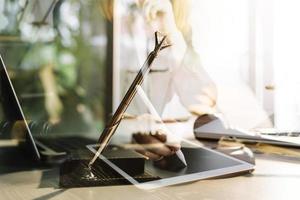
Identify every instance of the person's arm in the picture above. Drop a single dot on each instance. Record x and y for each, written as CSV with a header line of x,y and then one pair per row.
x,y
193,85
196,90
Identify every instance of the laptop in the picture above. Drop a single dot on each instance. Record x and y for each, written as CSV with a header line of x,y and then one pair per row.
x,y
38,139
214,127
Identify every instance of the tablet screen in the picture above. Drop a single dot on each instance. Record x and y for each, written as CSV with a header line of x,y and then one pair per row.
x,y
198,160
202,163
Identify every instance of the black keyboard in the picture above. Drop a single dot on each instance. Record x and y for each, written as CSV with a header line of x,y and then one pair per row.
x,y
66,144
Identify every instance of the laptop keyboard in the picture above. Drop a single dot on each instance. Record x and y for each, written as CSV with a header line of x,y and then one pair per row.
x,y
66,144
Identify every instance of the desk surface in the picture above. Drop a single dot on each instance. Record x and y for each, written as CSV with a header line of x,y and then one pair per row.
x,y
274,178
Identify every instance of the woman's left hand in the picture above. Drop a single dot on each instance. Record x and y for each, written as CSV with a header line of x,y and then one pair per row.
x,y
160,11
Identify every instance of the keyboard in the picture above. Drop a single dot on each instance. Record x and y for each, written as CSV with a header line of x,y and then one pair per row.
x,y
66,144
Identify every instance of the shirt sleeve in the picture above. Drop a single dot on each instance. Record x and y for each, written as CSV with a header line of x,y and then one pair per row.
x,y
195,88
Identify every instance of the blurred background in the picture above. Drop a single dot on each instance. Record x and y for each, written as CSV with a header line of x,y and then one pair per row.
x,y
57,56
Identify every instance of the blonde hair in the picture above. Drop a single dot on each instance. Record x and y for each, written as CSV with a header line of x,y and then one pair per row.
x,y
181,11
106,8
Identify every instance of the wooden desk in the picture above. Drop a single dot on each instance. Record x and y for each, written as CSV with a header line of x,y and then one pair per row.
x,y
274,178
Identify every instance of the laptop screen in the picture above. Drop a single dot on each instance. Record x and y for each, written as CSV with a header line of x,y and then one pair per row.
x,y
9,107
52,110
13,124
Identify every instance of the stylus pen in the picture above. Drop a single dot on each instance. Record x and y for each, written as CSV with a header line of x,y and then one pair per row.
x,y
153,112
181,157
117,117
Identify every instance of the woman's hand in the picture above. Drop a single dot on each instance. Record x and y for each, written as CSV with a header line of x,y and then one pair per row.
x,y
160,14
208,102
157,8
154,146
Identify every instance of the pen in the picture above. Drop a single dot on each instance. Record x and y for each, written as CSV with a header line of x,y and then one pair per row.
x,y
181,157
153,112
117,116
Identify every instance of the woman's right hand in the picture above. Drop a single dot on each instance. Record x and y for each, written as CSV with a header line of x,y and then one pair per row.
x,y
154,146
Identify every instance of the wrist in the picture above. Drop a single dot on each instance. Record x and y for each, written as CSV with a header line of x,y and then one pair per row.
x,y
178,48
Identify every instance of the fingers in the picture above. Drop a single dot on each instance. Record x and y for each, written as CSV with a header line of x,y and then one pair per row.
x,y
160,137
145,139
152,8
152,156
206,100
211,92
173,145
142,150
201,109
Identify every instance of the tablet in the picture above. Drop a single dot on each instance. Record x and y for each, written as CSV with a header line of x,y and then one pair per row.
x,y
202,163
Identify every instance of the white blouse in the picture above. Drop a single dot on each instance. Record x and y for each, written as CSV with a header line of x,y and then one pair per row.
x,y
177,82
